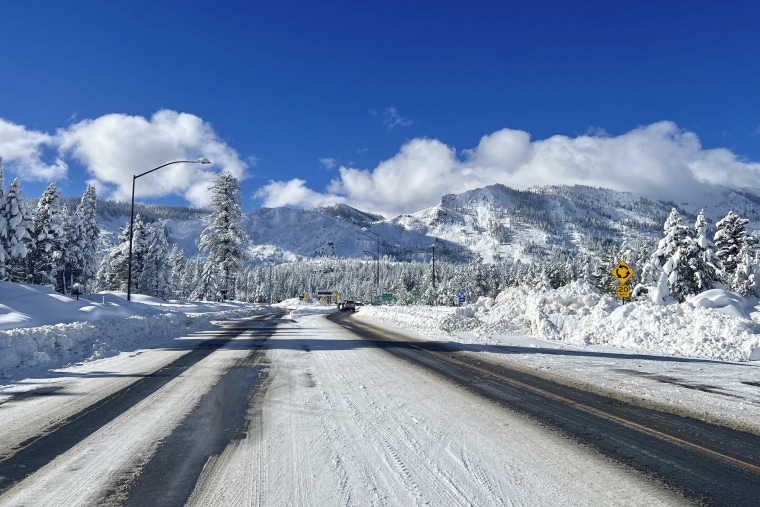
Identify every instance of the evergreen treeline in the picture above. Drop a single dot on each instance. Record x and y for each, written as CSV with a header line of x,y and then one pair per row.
x,y
48,243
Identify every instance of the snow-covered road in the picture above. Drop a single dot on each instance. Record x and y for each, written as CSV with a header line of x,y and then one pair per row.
x,y
337,422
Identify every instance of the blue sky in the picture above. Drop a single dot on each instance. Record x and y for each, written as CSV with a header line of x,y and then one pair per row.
x,y
383,105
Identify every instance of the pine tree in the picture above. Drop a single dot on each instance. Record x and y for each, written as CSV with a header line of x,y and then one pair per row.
x,y
71,248
729,237
140,245
20,232
4,241
49,237
602,275
190,279
224,238
746,277
113,271
86,213
177,268
207,282
155,274
705,264
668,273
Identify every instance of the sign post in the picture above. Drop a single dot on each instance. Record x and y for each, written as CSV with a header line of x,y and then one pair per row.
x,y
623,272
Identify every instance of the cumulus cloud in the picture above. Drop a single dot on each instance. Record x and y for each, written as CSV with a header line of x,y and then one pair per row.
x,y
660,161
113,147
23,151
294,193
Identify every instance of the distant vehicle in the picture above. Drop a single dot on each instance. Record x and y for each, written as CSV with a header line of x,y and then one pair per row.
x,y
347,306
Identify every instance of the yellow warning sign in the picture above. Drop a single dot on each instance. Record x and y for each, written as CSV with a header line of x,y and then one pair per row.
x,y
623,291
622,272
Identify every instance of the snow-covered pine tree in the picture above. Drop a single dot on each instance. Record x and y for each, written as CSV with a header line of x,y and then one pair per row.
x,y
191,278
541,282
155,274
87,213
745,279
246,285
20,232
113,271
681,277
4,242
729,237
140,245
602,274
49,237
668,274
704,263
240,285
224,238
207,283
177,267
71,251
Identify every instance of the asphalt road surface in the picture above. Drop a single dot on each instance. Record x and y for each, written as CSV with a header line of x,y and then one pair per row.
x,y
272,411
710,464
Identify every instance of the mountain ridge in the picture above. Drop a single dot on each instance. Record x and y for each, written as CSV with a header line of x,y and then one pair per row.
x,y
494,223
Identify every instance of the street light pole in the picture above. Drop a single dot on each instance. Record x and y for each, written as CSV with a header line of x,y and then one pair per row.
x,y
377,259
132,214
270,285
433,246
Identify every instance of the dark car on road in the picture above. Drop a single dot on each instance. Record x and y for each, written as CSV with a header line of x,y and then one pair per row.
x,y
347,306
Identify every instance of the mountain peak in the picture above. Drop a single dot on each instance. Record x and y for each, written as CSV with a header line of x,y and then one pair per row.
x,y
349,214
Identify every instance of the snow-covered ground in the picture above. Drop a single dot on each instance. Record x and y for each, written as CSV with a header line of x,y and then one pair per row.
x,y
343,424
339,423
702,356
41,329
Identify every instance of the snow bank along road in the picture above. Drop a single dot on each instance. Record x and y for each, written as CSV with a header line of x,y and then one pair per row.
x,y
271,411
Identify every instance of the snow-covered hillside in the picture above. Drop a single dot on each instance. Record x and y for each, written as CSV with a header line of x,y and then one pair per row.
x,y
493,223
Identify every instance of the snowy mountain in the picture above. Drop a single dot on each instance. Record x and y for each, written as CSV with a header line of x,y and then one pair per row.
x,y
495,222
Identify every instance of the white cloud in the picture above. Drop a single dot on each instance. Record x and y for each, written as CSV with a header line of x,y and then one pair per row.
x,y
391,119
660,161
294,193
113,147
22,150
328,162
423,168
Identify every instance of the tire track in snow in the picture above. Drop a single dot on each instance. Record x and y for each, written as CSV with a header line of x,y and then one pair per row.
x,y
169,478
408,467
374,431
38,451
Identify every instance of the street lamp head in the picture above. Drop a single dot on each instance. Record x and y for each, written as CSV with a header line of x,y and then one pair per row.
x,y
202,160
